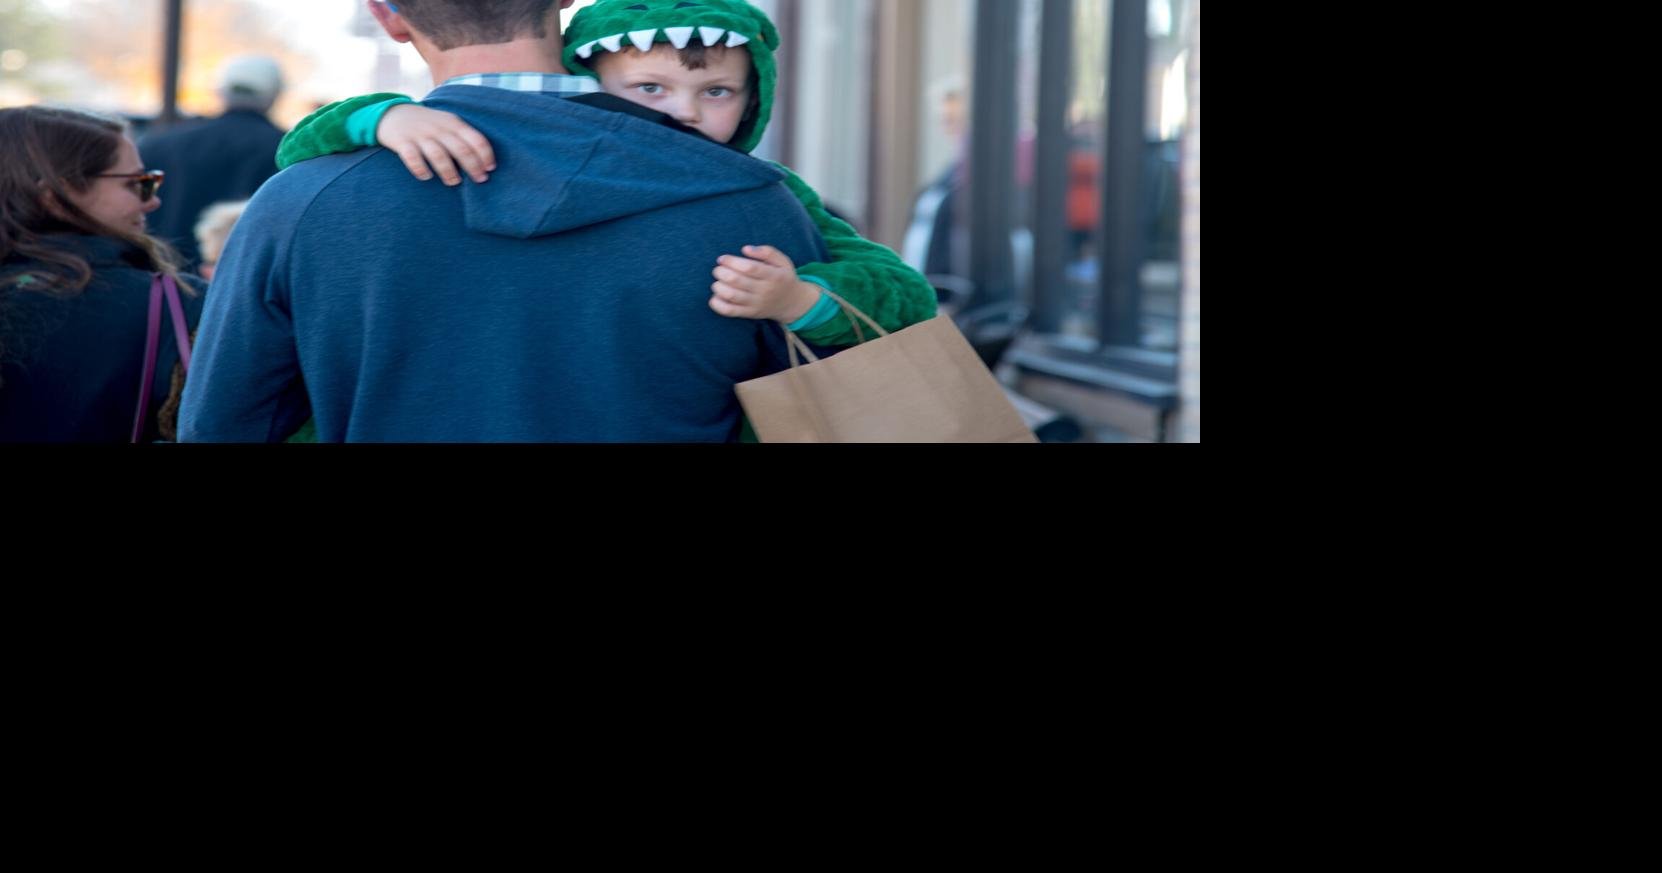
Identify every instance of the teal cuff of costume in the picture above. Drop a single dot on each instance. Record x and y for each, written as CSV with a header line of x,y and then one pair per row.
x,y
361,125
823,311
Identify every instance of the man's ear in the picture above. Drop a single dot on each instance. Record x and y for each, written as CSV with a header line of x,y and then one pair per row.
x,y
390,21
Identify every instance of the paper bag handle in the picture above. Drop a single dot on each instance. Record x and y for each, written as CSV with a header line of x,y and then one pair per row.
x,y
798,347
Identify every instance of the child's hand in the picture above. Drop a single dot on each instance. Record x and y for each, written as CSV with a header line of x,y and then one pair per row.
x,y
766,287
423,136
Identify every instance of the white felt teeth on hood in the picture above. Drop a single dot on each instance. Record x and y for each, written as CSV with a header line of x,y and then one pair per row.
x,y
711,35
613,43
643,39
587,50
736,38
679,36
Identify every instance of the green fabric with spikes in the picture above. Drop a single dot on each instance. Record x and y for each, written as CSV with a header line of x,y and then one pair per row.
x,y
620,18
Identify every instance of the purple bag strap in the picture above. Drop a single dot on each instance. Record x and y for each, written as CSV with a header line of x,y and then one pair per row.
x,y
151,342
181,333
161,286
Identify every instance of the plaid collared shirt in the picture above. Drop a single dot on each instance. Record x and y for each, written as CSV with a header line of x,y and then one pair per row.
x,y
547,83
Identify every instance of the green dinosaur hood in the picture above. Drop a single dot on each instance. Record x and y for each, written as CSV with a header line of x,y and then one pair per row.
x,y
609,24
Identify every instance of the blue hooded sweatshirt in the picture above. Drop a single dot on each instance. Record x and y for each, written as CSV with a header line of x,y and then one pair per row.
x,y
566,300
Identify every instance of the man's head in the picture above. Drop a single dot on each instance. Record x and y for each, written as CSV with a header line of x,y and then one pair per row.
x,y
250,82
948,94
459,37
457,24
454,24
644,28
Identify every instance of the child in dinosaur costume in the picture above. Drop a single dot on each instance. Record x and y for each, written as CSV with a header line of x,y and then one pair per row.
x,y
655,53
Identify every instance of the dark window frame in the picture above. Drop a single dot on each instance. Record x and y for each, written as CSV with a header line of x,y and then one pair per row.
x,y
1116,361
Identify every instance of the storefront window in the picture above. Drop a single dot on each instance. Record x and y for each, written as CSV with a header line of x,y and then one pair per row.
x,y
1027,132
1086,121
832,105
1159,204
1167,111
936,240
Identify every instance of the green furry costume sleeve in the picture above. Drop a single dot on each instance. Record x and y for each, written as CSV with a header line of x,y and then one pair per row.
x,y
324,132
871,277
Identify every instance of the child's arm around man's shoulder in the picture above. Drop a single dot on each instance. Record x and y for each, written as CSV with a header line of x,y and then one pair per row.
x,y
428,141
328,131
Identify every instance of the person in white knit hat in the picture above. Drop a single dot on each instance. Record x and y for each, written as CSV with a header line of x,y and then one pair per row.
x,y
218,159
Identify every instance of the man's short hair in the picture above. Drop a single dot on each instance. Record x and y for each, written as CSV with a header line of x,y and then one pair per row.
x,y
451,24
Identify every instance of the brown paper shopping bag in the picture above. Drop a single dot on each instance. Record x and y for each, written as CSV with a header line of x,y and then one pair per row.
x,y
924,384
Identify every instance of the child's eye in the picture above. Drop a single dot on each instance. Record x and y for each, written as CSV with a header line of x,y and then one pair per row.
x,y
651,89
720,92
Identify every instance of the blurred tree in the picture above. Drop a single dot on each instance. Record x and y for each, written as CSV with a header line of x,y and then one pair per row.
x,y
30,40
119,45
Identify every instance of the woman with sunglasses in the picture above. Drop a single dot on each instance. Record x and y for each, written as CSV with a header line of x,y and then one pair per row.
x,y
87,345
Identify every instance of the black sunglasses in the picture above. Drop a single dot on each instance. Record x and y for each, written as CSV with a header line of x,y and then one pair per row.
x,y
144,184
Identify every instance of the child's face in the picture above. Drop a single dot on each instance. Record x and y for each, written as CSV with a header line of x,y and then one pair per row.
x,y
712,100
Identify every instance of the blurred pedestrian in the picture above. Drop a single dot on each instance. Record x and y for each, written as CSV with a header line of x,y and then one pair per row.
x,y
213,231
218,159
81,360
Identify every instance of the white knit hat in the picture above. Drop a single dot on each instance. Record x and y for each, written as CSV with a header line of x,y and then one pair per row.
x,y
251,80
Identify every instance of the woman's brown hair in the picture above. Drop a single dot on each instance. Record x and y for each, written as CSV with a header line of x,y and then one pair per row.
x,y
45,154
46,151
